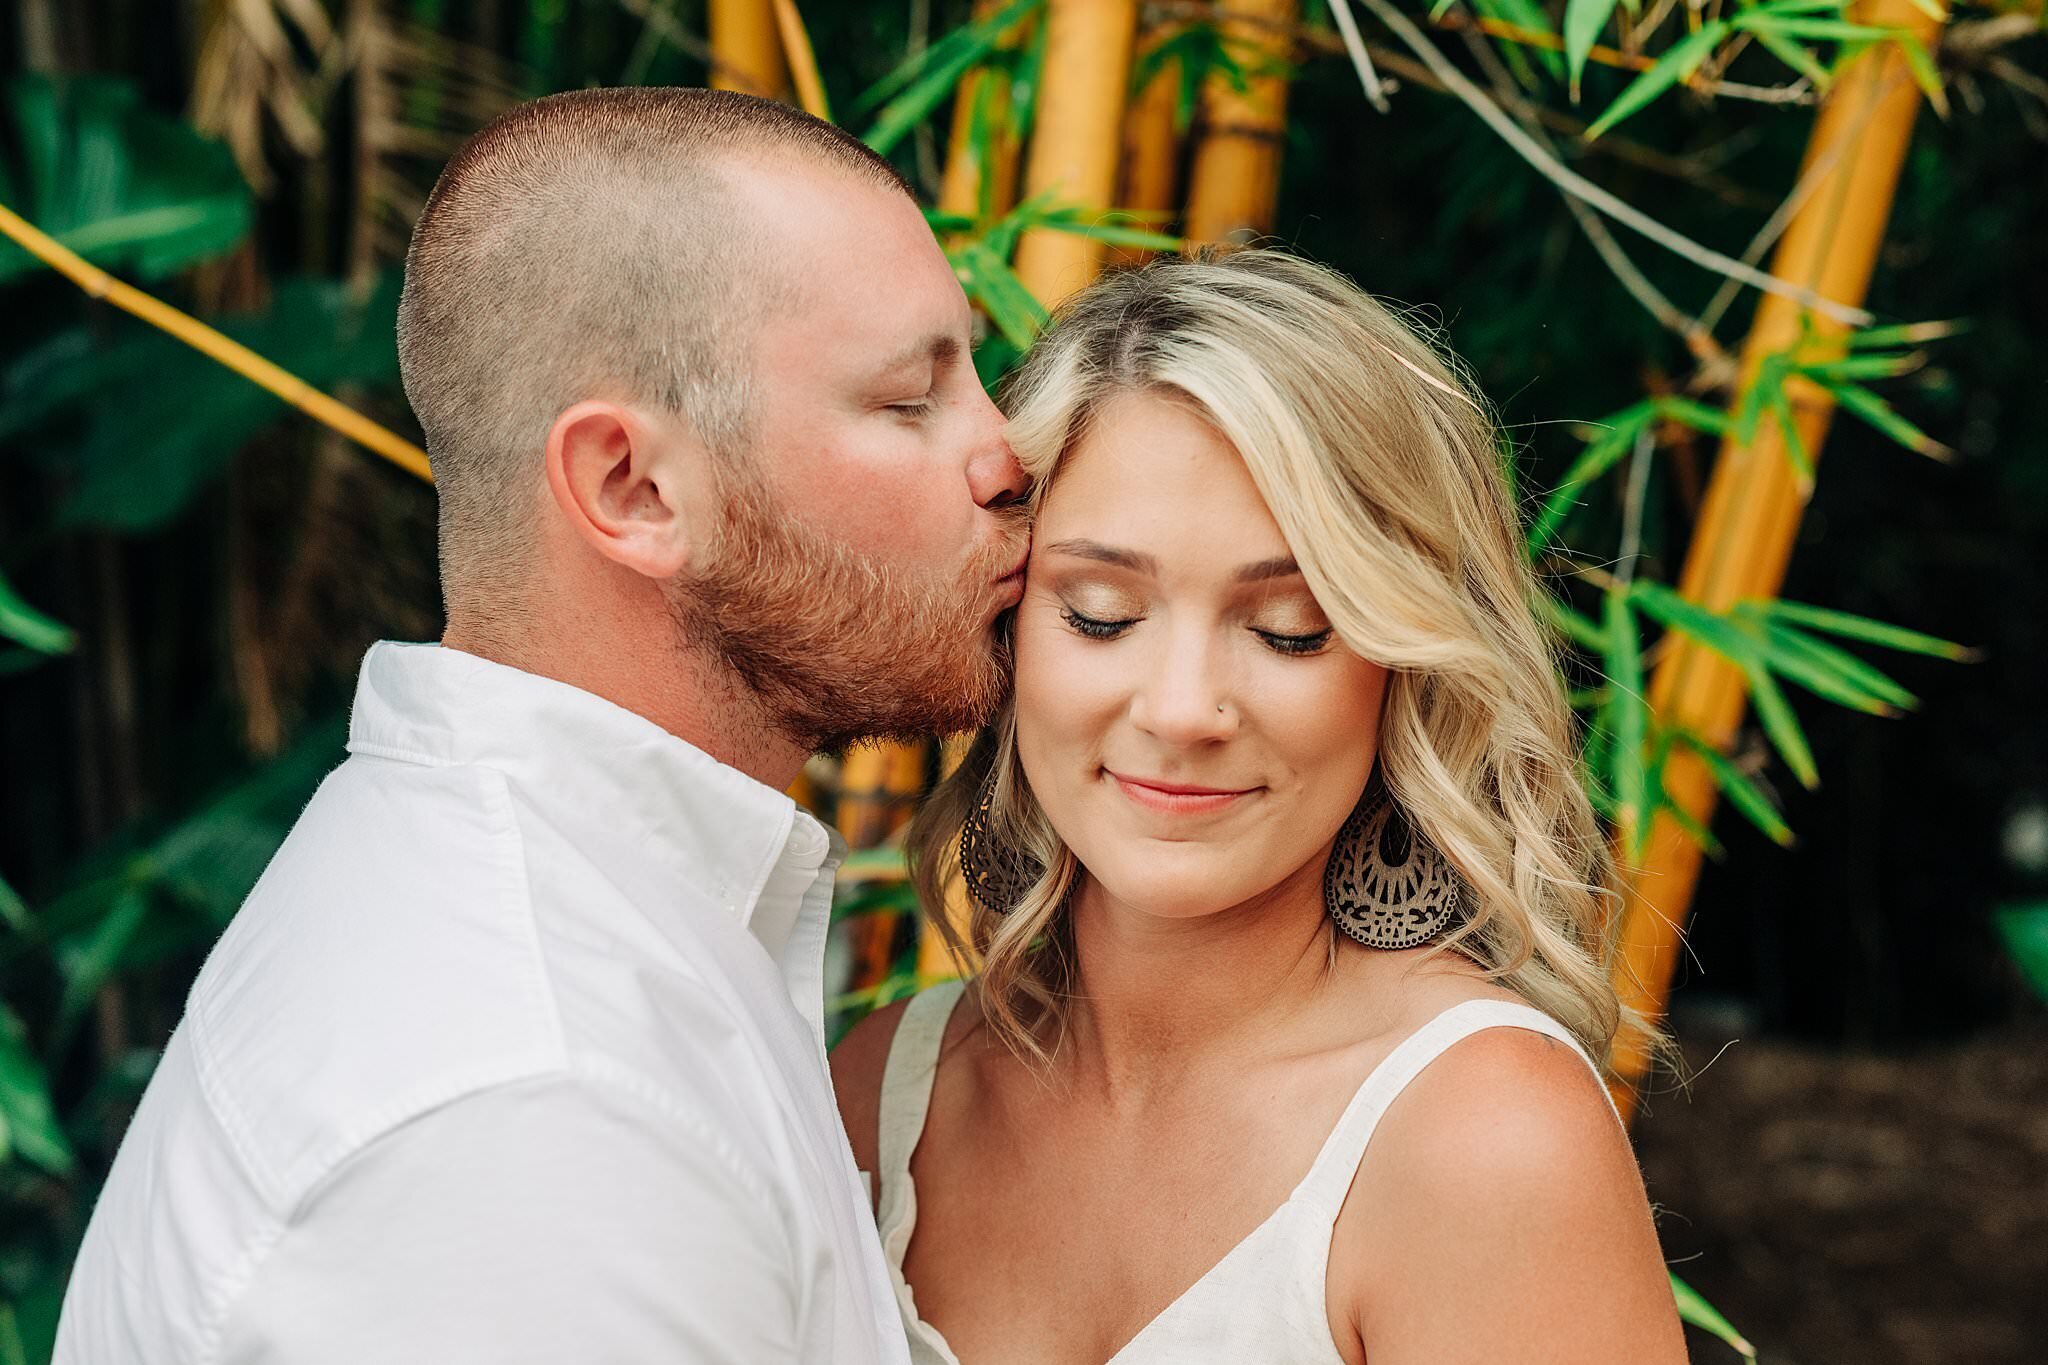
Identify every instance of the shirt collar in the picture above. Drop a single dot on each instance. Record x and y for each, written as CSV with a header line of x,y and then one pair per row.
x,y
584,761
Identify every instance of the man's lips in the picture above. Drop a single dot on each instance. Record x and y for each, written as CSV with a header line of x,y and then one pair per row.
x,y
1177,798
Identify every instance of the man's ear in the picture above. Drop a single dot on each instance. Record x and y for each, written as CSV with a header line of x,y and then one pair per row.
x,y
622,483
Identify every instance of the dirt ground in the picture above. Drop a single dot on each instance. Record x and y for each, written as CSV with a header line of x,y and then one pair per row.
x,y
1845,1208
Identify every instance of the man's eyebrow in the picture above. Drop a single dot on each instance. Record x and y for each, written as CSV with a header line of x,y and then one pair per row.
x,y
940,348
1281,567
1106,554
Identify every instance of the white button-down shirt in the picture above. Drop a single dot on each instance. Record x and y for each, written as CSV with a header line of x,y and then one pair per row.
x,y
514,1054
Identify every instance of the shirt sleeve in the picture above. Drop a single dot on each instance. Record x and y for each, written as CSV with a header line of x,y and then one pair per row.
x,y
545,1221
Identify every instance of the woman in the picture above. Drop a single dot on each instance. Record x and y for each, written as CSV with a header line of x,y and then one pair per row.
x,y
1279,849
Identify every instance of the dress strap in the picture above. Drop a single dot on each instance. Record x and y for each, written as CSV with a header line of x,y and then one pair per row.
x,y
1329,1180
907,1080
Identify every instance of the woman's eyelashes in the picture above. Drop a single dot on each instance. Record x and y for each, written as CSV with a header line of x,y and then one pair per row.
x,y
1095,628
1110,628
1312,643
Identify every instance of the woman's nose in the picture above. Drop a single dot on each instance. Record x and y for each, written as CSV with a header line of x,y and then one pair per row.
x,y
1185,700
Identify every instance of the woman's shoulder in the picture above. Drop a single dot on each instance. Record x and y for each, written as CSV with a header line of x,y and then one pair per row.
x,y
1502,1164
1501,1097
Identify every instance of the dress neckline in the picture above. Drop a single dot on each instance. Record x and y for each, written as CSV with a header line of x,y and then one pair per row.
x,y
1319,1194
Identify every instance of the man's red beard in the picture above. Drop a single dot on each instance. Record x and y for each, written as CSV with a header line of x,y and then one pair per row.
x,y
839,646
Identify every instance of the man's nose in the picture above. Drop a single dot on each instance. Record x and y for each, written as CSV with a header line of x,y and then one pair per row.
x,y
993,474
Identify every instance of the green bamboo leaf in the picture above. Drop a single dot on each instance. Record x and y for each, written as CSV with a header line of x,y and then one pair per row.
x,y
1795,56
1770,377
1833,673
917,65
947,224
991,283
1744,794
1697,1311
1115,233
1802,26
1601,454
867,863
923,82
1530,15
90,959
27,1118
25,625
1795,444
1694,414
13,1350
125,186
1001,236
14,911
1694,830
1834,7
1583,22
1781,724
1905,334
1574,625
1715,631
1680,61
1853,627
1628,717
1925,74
2025,931
1862,403
1860,367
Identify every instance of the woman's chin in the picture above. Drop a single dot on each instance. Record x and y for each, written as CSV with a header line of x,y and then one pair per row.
x,y
1181,897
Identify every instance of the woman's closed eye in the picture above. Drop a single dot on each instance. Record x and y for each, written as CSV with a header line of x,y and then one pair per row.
x,y
1280,642
1096,628
1312,643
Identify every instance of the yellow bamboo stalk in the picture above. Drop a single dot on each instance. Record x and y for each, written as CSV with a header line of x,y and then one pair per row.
x,y
960,190
803,63
97,283
746,49
1235,180
1754,500
934,961
1077,139
1151,164
878,787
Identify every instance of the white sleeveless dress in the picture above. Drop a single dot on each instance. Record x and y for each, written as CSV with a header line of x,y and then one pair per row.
x,y
1264,1302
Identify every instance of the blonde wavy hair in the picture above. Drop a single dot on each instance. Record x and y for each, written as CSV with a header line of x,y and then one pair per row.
x,y
1383,471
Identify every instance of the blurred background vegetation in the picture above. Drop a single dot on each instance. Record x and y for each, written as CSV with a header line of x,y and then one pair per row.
x,y
189,572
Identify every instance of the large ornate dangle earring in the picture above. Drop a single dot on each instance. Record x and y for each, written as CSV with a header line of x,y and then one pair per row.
x,y
1386,886
996,874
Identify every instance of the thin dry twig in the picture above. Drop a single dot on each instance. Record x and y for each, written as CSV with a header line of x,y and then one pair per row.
x,y
1354,47
1817,171
1594,196
1698,338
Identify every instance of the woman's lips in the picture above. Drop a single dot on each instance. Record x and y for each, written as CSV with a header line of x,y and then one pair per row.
x,y
1177,798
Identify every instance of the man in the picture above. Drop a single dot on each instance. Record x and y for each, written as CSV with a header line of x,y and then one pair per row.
x,y
516,1051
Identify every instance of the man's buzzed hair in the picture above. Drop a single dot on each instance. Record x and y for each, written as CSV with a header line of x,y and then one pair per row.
x,y
586,245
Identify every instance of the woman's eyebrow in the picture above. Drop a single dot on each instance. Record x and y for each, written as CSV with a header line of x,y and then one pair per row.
x,y
1260,571
1134,560
1281,567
